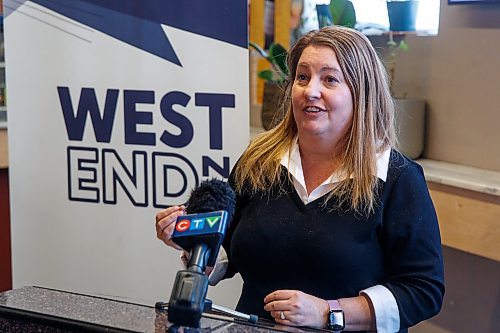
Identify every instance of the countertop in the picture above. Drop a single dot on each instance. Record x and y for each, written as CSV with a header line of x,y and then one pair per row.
x,y
47,310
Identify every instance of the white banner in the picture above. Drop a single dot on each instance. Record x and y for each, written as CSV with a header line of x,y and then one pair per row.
x,y
115,111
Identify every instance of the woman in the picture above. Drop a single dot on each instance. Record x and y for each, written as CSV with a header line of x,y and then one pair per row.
x,y
333,227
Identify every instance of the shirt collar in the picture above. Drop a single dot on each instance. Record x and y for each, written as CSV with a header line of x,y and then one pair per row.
x,y
292,161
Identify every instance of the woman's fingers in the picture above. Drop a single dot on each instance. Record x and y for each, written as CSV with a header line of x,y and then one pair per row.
x,y
276,306
165,224
168,211
293,307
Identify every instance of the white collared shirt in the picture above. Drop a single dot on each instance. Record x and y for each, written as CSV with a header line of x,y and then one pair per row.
x,y
292,161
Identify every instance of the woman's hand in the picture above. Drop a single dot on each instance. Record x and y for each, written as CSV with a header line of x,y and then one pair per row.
x,y
165,224
293,307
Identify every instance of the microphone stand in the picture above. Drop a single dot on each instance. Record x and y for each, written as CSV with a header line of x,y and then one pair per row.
x,y
187,300
236,314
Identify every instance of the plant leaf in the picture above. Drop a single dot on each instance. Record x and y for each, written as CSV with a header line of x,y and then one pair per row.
x,y
266,74
277,55
391,43
403,45
343,13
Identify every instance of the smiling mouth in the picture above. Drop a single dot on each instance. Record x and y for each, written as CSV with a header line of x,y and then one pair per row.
x,y
313,109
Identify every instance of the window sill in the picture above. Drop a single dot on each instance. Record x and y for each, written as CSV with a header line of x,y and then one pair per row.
x,y
460,176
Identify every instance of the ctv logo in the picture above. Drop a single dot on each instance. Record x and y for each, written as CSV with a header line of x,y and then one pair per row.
x,y
196,223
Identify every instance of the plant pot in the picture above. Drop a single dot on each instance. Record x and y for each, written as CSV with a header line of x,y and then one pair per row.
x,y
324,16
410,126
270,103
402,15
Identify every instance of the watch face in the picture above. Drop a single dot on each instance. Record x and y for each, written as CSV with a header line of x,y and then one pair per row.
x,y
336,320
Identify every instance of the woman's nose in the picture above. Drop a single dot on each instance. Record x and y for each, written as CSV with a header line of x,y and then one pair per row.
x,y
312,90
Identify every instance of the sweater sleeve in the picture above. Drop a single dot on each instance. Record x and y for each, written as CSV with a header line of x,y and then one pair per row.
x,y
412,245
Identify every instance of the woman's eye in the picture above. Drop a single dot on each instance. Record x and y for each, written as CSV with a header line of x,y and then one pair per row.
x,y
301,77
332,79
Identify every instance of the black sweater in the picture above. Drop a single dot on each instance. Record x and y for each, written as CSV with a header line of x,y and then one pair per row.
x,y
277,242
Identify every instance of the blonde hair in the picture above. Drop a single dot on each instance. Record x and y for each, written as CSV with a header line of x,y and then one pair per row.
x,y
372,129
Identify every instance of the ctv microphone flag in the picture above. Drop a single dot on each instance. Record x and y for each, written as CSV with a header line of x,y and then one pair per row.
x,y
210,227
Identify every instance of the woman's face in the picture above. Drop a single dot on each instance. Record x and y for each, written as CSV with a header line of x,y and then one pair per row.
x,y
321,99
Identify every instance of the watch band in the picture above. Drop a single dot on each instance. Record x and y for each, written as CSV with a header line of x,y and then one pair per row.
x,y
334,305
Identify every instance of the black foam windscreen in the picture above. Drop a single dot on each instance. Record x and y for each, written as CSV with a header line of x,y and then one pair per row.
x,y
212,195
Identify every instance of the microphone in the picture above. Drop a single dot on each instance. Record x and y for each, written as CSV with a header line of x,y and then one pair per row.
x,y
210,208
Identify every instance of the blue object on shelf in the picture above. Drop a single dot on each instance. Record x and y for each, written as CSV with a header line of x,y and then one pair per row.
x,y
402,15
324,16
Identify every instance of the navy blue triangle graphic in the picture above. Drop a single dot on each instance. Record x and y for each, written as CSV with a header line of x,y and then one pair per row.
x,y
146,35
138,22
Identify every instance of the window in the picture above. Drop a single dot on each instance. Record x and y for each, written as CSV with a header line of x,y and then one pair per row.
x,y
372,19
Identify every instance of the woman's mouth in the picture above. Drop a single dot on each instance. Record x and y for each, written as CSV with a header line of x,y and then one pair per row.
x,y
313,109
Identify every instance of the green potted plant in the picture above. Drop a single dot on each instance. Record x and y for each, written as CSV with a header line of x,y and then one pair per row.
x,y
410,112
274,80
343,13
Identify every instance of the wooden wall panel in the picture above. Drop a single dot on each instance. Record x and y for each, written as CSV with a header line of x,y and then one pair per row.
x,y
282,22
257,22
469,221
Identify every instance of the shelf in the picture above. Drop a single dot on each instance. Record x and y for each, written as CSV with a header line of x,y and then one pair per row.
x,y
460,176
378,33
